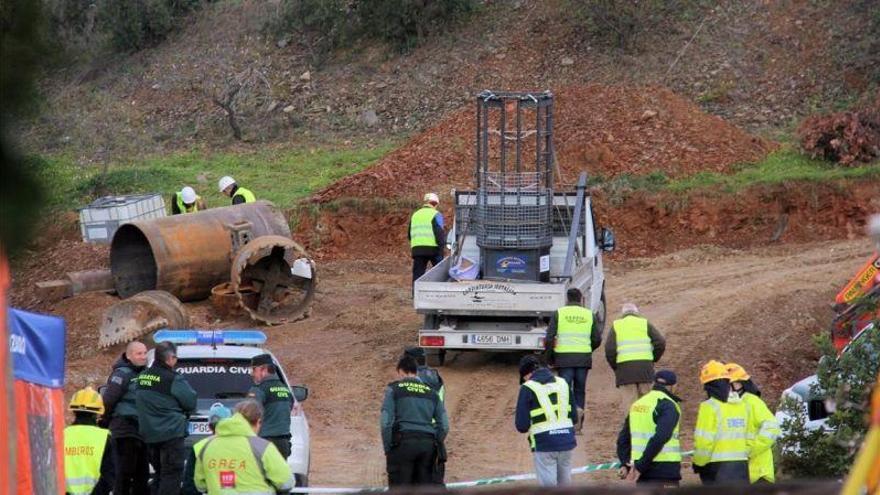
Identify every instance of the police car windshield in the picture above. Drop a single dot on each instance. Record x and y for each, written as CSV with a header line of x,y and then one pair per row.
x,y
217,378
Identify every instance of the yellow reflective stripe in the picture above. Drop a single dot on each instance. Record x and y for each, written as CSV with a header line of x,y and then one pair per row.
x,y
633,341
562,340
739,455
643,428
556,417
421,228
574,324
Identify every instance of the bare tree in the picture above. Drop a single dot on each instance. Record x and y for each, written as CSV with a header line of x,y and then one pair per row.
x,y
236,87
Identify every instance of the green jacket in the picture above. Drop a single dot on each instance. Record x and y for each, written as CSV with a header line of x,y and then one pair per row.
x,y
164,401
411,406
235,460
277,401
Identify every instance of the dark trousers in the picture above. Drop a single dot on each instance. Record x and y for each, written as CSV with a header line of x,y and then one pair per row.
x,y
725,472
420,265
411,462
283,444
132,466
167,458
577,382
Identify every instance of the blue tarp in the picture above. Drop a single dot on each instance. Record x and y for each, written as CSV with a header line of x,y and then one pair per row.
x,y
36,343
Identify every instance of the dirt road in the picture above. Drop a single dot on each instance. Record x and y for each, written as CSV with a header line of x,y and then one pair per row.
x,y
758,307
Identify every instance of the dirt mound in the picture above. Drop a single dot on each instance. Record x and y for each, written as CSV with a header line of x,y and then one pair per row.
x,y
605,130
57,249
646,224
845,137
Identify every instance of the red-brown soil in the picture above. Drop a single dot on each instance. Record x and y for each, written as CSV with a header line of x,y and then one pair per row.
x,y
605,130
646,224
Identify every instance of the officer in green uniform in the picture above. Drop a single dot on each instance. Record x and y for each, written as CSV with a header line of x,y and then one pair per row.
x,y
276,399
164,401
239,195
431,377
413,419
648,444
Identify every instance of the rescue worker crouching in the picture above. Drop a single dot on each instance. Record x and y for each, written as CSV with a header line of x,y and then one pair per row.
x,y
762,428
186,201
239,195
236,460
276,400
164,402
572,336
217,413
721,449
648,444
413,418
88,453
545,409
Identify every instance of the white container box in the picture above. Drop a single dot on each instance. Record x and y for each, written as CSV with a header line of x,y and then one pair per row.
x,y
99,220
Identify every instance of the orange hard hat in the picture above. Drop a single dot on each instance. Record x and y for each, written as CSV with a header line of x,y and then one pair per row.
x,y
737,373
713,370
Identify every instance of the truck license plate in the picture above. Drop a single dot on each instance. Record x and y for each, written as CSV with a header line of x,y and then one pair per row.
x,y
199,428
493,339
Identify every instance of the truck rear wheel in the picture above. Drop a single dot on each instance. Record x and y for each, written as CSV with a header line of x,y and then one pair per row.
x,y
435,357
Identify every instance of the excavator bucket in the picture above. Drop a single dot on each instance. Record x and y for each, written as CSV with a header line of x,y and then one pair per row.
x,y
140,314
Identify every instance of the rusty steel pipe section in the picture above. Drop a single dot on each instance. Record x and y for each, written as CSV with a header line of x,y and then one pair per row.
x,y
141,314
187,255
280,272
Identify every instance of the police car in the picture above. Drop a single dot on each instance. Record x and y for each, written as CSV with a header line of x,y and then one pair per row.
x,y
217,364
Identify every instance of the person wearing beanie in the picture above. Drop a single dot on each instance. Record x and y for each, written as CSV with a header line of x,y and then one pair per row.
x,y
763,429
277,401
546,410
648,445
217,413
721,450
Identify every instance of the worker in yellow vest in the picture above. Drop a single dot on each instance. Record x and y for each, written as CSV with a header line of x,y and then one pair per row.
x,y
632,348
88,456
426,236
648,445
186,201
721,446
239,195
236,460
572,336
762,428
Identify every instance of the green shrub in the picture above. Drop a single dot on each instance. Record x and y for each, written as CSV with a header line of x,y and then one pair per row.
x,y
625,24
848,382
406,23
329,24
136,24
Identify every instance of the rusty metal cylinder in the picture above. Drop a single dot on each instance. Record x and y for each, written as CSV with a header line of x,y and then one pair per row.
x,y
188,254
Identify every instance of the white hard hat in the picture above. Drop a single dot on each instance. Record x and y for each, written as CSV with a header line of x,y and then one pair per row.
x,y
432,198
188,195
225,182
629,309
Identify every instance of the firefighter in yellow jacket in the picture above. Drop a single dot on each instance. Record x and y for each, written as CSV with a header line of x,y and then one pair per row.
x,y
721,448
236,460
88,459
762,429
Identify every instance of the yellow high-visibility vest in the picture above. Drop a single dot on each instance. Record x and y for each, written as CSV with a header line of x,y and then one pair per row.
x,y
246,194
720,434
554,411
633,341
762,431
573,328
421,228
642,428
181,206
83,451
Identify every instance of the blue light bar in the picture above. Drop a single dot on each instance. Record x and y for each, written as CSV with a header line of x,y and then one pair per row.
x,y
211,337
